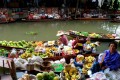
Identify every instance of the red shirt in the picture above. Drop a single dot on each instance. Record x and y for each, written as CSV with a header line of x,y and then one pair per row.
x,y
64,39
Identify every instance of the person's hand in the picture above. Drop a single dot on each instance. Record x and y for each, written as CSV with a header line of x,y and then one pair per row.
x,y
100,64
75,45
104,67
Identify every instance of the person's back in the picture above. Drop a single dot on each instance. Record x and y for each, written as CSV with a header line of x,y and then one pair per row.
x,y
64,39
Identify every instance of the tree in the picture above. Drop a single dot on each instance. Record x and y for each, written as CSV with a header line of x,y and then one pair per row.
x,y
115,5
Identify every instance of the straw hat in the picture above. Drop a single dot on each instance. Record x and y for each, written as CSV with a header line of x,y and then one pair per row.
x,y
97,43
59,33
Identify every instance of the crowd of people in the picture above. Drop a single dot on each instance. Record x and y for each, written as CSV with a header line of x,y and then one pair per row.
x,y
45,13
5,16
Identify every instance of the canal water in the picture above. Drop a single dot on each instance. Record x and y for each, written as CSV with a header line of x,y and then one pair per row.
x,y
46,30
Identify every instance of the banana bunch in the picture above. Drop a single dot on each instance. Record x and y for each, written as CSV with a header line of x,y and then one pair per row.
x,y
89,59
84,70
25,55
88,65
75,77
71,73
49,54
95,35
49,49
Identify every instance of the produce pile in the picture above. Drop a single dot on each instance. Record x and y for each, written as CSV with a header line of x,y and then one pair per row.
x,y
88,62
70,73
44,49
47,76
41,76
17,44
3,52
34,53
92,35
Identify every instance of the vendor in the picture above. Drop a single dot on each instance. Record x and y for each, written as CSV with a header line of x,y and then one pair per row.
x,y
110,59
78,43
13,53
63,38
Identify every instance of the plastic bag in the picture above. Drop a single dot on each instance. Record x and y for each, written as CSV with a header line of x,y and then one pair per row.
x,y
62,61
98,76
20,63
35,59
100,57
112,75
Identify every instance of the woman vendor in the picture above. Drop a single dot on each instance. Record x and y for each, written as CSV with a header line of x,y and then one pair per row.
x,y
110,59
63,38
78,43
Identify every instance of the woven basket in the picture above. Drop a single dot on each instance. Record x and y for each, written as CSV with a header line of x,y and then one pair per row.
x,y
30,67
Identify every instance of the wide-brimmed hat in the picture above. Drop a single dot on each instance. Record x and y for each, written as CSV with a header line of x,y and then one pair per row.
x,y
59,33
97,43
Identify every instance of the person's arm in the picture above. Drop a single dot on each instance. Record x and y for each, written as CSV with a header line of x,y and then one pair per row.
x,y
103,56
77,64
74,44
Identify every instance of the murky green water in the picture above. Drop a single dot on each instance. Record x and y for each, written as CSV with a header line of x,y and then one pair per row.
x,y
47,30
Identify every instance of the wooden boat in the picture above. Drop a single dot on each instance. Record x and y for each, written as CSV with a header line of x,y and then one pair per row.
x,y
6,22
92,19
10,48
115,20
68,57
103,37
40,20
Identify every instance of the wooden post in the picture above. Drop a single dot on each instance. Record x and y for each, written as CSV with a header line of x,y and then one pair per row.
x,y
3,67
13,70
77,4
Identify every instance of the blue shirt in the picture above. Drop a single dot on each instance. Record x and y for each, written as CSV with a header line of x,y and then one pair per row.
x,y
77,64
112,61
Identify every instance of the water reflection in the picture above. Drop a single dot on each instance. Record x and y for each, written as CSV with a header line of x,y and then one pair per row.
x,y
118,30
112,28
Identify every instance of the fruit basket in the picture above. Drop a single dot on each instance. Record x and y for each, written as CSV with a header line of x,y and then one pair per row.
x,y
45,68
46,64
30,67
